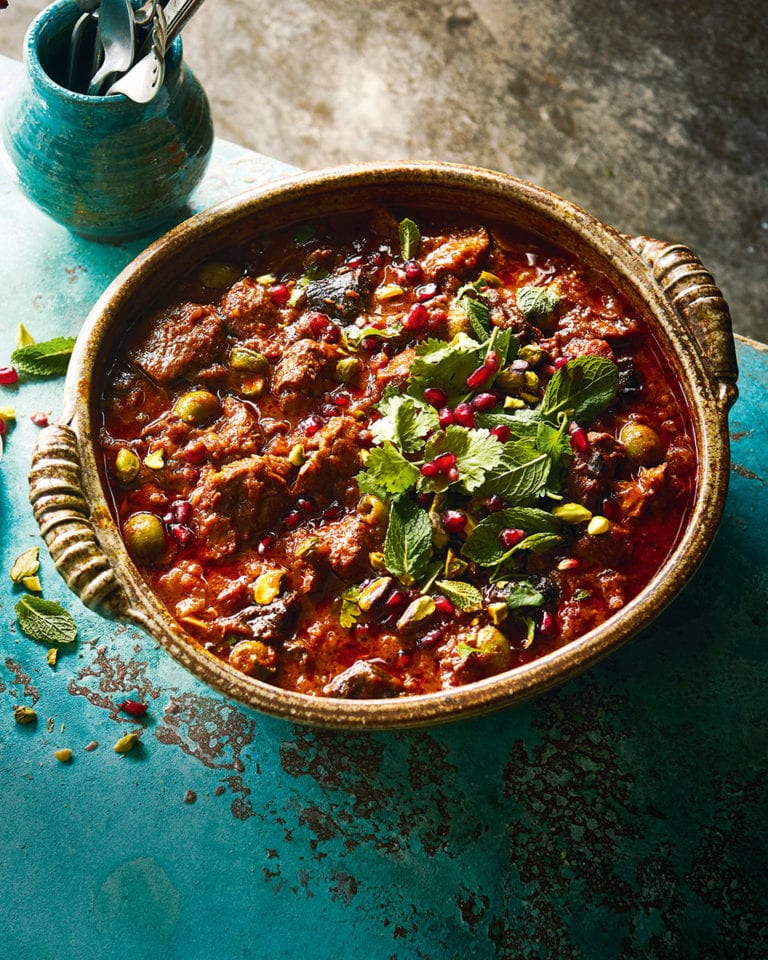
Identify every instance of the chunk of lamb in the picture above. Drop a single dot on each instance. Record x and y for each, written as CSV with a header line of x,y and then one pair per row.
x,y
457,254
238,500
249,310
592,471
333,457
306,370
347,544
178,340
364,680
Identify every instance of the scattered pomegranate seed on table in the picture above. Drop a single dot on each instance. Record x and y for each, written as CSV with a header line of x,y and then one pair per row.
x,y
8,376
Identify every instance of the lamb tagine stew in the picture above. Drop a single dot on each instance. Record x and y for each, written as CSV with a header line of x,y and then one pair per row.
x,y
390,454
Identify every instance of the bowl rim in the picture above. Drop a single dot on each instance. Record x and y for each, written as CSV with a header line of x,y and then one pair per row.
x,y
616,257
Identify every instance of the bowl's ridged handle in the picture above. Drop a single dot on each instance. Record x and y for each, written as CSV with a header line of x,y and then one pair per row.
x,y
61,511
697,298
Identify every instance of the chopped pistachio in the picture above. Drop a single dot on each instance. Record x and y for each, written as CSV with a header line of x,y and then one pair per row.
x,y
454,566
571,513
376,590
490,279
127,465
52,656
26,565
513,403
376,560
127,743
509,379
598,525
530,398
63,756
308,546
297,456
498,612
23,337
531,379
419,609
389,291
266,279
24,715
531,353
267,586
33,584
7,414
155,460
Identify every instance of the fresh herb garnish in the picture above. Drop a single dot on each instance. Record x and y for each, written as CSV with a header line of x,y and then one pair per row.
x,y
405,421
45,620
520,476
47,359
476,453
483,544
479,315
410,238
350,609
582,389
386,469
408,543
535,303
520,593
463,595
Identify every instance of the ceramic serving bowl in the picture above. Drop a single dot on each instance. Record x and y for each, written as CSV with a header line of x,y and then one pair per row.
x,y
664,282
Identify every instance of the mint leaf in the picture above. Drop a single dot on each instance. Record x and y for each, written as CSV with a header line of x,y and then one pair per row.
x,y
405,421
353,335
520,476
535,303
520,593
476,452
45,620
483,545
464,596
479,316
410,238
387,469
47,359
408,543
582,389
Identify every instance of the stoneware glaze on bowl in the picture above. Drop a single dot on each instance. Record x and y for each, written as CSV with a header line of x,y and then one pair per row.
x,y
105,167
665,282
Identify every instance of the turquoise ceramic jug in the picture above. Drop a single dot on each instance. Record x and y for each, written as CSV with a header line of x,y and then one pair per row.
x,y
105,167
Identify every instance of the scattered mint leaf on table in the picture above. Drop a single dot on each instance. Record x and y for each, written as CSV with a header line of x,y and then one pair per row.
x,y
45,620
410,238
47,359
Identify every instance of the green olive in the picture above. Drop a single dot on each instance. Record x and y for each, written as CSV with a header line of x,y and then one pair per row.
x,y
641,444
248,360
144,536
216,274
348,369
127,465
197,407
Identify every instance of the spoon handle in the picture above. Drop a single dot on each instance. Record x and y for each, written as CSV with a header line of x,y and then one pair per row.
x,y
177,13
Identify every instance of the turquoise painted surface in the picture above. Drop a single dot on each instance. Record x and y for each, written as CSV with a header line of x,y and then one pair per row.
x,y
622,816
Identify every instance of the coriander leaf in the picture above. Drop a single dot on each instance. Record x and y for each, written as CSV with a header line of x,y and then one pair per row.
x,y
47,359
410,238
582,389
521,475
580,595
405,421
536,302
520,593
387,469
479,316
446,365
350,609
476,452
408,543
530,630
463,595
483,546
45,620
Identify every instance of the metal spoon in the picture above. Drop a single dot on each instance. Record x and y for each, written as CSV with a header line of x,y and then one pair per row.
x,y
116,36
145,78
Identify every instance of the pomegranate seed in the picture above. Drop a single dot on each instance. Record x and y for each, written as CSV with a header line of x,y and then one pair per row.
x,y
509,537
413,272
361,631
379,361
376,260
446,417
292,519
430,639
547,625
492,361
445,461
2,427
311,425
437,317
416,318
280,294
452,475
478,377
369,344
494,503
426,292
342,400
435,397
453,521
195,454
306,505
484,401
134,707
501,432
430,469
181,511
332,333
570,563
610,509
560,362
328,410
333,511
444,606
39,419
396,599
8,375
182,535
404,658
317,323
464,415
579,438
355,262
266,543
